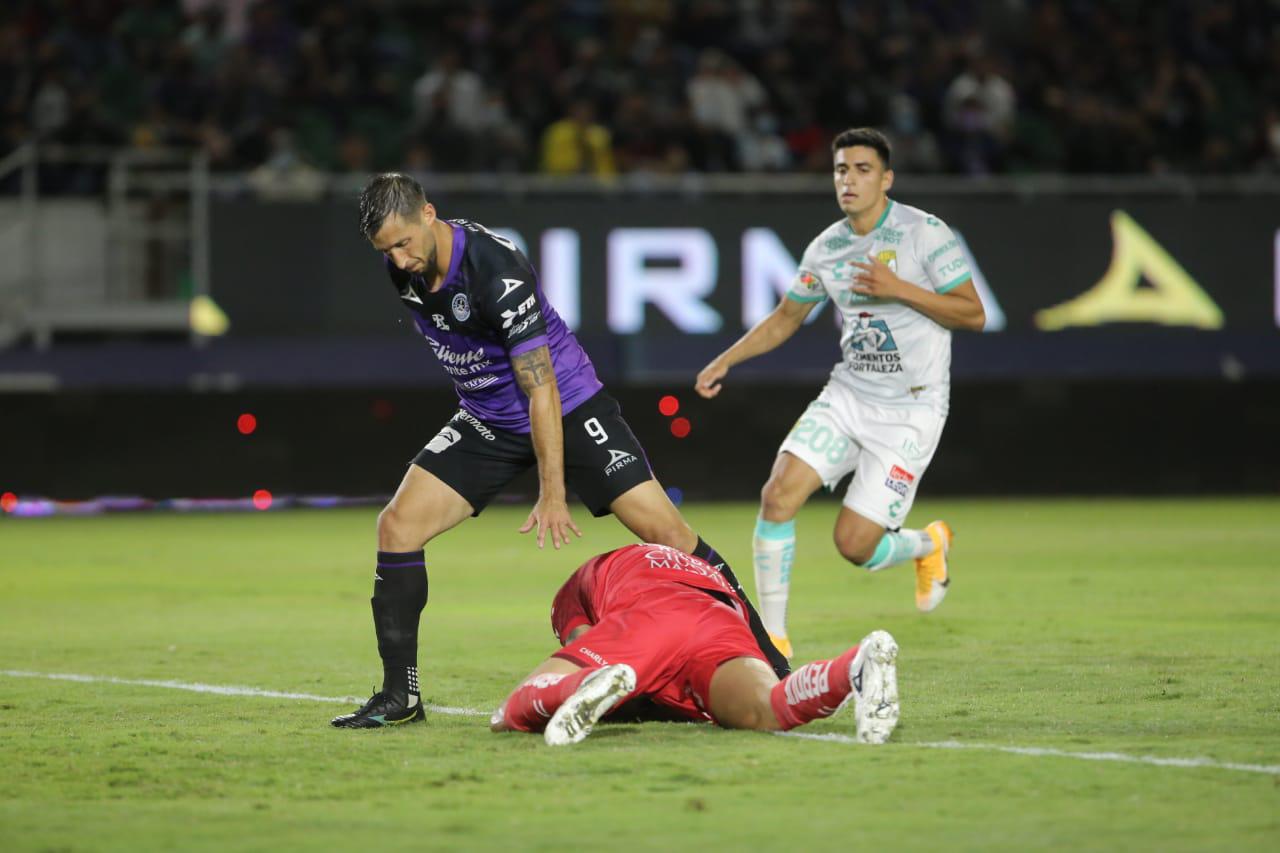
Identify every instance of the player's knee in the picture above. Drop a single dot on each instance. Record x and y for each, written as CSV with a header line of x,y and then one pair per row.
x,y
759,718
777,503
674,534
396,532
855,547
741,697
753,715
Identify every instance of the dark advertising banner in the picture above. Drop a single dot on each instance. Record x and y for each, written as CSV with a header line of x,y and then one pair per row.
x,y
1119,286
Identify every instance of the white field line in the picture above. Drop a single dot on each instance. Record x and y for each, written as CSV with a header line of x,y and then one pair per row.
x,y
1042,751
223,690
1035,751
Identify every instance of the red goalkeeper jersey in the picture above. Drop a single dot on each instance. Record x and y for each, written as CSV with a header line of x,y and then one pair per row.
x,y
619,579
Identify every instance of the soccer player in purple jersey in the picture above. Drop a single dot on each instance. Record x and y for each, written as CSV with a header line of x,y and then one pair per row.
x,y
527,394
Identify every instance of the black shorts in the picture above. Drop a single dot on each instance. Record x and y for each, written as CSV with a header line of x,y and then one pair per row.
x,y
602,458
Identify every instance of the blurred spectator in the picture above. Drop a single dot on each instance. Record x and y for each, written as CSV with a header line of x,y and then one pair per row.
x,y
760,147
850,92
592,75
355,154
704,85
51,106
808,141
644,143
979,112
233,13
731,109
576,145
660,72
285,176
148,20
271,37
208,38
986,95
1269,147
914,147
449,94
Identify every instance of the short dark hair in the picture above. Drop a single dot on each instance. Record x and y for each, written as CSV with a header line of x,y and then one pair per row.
x,y
868,136
385,194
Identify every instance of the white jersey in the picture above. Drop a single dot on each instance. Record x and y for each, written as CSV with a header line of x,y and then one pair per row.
x,y
891,353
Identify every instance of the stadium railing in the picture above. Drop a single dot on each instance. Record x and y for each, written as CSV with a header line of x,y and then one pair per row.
x,y
102,240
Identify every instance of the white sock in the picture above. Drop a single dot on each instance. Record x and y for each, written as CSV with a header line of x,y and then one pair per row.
x,y
773,548
894,548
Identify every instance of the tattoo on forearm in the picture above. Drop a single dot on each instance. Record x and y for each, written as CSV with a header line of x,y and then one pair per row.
x,y
533,368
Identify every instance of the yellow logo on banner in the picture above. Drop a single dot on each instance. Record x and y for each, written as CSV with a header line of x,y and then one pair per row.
x,y
207,318
1174,298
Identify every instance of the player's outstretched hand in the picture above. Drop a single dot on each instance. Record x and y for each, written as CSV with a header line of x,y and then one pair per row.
x,y
708,382
551,515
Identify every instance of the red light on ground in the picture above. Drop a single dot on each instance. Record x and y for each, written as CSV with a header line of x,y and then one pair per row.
x,y
680,427
383,409
8,502
262,499
246,423
668,405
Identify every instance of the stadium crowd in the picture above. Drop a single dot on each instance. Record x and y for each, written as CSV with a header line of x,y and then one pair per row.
x,y
607,86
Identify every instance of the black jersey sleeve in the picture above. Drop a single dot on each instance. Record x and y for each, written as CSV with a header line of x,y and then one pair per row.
x,y
505,293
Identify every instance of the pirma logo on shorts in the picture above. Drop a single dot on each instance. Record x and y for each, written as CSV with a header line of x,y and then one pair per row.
x,y
618,459
444,439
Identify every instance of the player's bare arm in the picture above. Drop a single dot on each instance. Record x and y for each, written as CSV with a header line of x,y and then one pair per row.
x,y
782,322
537,378
959,308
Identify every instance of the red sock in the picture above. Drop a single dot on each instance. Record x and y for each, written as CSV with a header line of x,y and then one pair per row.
x,y
531,704
813,691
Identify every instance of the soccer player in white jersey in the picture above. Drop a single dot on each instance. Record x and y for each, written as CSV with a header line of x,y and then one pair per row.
x,y
901,282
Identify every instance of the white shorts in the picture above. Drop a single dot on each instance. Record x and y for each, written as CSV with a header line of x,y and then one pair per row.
x,y
888,447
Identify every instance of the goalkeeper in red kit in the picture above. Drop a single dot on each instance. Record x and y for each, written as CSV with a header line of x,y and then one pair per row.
x,y
654,622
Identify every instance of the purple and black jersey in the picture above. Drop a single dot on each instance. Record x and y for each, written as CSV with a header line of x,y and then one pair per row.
x,y
489,309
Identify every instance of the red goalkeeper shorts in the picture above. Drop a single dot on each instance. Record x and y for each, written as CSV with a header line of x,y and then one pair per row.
x,y
674,637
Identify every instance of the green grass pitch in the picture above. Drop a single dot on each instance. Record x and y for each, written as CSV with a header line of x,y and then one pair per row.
x,y
1147,628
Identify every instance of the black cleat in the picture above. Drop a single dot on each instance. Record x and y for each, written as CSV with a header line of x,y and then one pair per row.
x,y
383,709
